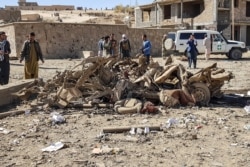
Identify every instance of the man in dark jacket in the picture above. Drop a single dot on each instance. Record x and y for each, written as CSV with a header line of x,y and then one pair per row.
x,y
124,47
192,51
31,52
4,59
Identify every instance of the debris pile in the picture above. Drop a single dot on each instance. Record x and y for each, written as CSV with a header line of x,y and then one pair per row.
x,y
130,85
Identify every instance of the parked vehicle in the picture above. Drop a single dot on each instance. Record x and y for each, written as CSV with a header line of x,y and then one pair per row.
x,y
219,44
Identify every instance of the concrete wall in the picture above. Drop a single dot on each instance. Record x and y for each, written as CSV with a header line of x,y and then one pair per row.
x,y
240,13
65,40
31,17
10,16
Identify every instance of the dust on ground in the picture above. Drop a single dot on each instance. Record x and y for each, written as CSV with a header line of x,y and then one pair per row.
x,y
216,135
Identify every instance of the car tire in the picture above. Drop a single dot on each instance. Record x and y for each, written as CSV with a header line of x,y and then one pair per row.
x,y
201,93
235,54
169,44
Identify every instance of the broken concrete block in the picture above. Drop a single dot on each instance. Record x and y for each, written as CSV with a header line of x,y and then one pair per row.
x,y
85,54
8,91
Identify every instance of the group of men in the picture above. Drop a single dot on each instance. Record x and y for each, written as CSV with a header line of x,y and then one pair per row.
x,y
107,46
31,53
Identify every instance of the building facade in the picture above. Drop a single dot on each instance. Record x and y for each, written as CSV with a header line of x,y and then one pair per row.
x,y
230,16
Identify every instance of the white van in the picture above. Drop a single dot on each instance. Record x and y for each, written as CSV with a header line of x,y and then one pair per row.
x,y
220,45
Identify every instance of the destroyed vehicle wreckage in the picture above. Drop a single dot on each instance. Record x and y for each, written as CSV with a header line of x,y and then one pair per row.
x,y
127,84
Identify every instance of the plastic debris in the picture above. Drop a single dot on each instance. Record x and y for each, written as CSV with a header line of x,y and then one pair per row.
x,y
57,118
247,109
53,147
247,127
139,131
171,122
146,130
132,131
5,131
27,112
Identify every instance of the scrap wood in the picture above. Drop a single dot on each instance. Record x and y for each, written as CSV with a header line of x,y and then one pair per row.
x,y
122,129
166,74
99,94
11,113
217,71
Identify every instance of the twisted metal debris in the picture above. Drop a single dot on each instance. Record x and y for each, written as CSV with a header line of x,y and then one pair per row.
x,y
107,81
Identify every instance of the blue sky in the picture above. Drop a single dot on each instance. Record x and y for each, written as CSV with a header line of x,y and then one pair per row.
x,y
83,3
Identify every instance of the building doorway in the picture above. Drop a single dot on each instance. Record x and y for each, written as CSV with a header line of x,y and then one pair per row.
x,y
248,36
237,33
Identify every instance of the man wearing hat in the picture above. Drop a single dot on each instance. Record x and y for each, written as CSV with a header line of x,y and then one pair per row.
x,y
124,47
4,59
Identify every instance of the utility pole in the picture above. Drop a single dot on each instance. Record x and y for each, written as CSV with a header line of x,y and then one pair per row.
x,y
232,4
182,13
136,3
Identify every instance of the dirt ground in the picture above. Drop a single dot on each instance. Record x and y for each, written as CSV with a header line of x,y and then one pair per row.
x,y
213,136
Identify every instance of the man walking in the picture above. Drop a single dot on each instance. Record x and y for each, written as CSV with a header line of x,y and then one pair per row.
x,y
4,59
31,52
124,47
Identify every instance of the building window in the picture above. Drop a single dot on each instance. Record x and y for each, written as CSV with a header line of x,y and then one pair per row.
x,y
146,14
247,9
167,12
236,3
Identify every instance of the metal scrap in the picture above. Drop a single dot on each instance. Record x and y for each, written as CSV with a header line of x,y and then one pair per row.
x,y
108,80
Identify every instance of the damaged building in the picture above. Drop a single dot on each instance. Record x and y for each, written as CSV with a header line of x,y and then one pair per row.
x,y
198,14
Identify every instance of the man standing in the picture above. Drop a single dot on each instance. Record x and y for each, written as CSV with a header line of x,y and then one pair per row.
x,y
4,59
113,43
146,47
192,51
106,46
100,46
31,52
124,47
207,44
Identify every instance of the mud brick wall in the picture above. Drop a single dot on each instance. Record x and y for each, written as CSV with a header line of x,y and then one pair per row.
x,y
10,16
49,8
65,40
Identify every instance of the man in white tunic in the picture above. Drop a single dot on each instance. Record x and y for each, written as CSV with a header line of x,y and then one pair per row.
x,y
207,44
